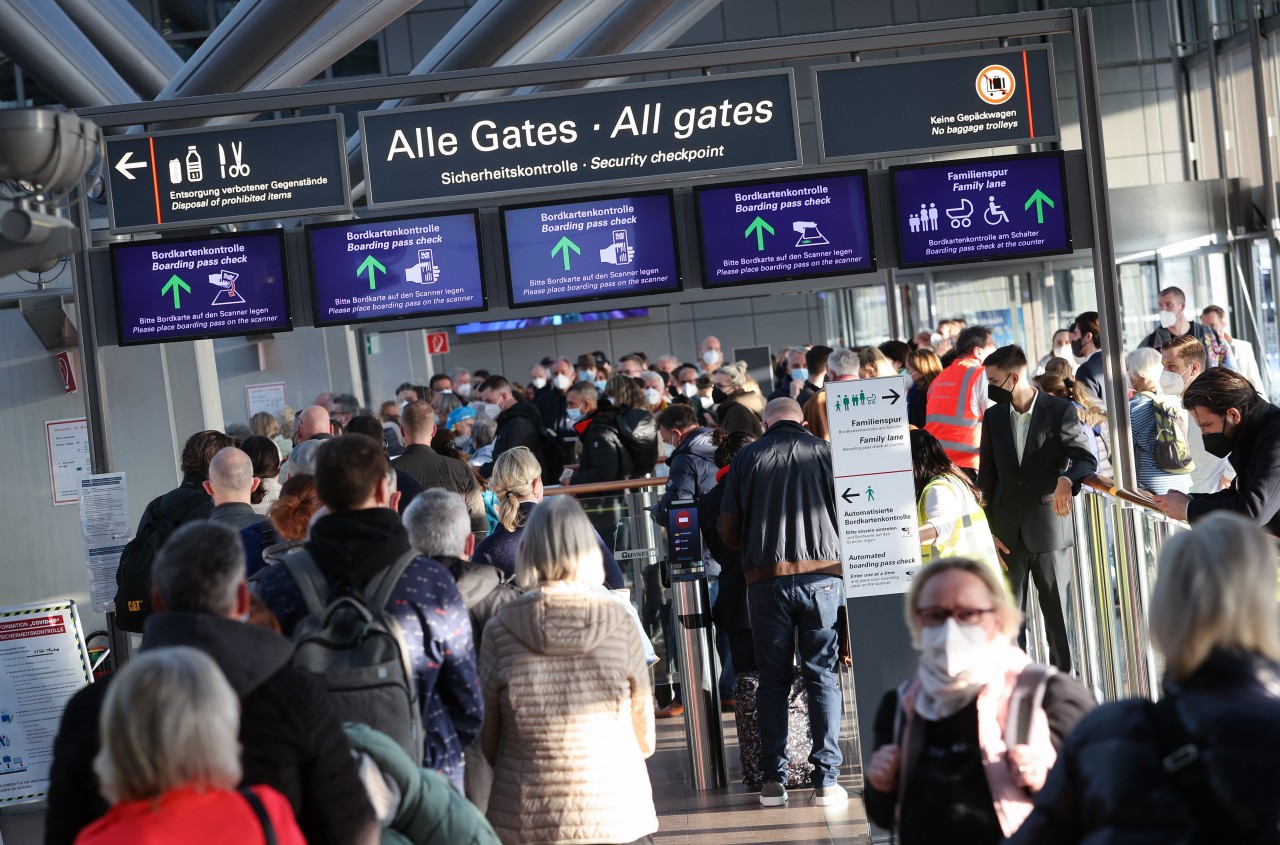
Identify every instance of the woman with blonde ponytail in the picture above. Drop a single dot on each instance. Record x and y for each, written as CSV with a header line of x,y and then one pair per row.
x,y
517,482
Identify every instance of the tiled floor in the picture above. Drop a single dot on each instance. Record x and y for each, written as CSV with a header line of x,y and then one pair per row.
x,y
733,814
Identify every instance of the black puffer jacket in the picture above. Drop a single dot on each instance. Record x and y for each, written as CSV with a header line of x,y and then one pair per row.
x,y
292,739
1110,788
519,425
603,458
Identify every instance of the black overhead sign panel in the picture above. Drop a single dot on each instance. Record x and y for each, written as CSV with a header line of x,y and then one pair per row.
x,y
985,99
619,134
189,177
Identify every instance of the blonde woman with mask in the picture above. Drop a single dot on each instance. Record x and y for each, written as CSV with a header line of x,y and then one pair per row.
x,y
963,744
517,483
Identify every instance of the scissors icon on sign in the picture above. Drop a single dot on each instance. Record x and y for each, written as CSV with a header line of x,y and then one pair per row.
x,y
238,169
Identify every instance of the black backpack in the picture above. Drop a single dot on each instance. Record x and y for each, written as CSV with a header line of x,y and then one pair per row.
x,y
552,456
133,576
357,647
638,431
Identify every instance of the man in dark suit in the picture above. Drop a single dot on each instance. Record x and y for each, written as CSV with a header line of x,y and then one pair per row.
x,y
1034,456
1086,344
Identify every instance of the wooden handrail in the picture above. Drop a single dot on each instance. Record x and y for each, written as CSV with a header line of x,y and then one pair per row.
x,y
1106,485
623,486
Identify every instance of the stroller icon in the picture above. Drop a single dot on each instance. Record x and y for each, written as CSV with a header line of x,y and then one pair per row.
x,y
960,216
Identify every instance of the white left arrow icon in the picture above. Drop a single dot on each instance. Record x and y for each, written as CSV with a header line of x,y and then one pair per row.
x,y
124,165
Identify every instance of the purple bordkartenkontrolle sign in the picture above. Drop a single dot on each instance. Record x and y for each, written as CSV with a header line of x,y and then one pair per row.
x,y
595,249
796,229
389,269
201,287
982,209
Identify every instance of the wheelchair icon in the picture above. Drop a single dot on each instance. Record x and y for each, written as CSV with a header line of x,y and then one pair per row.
x,y
994,215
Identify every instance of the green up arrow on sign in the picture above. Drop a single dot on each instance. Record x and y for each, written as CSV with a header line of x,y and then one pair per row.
x,y
176,285
372,265
564,246
1041,200
759,227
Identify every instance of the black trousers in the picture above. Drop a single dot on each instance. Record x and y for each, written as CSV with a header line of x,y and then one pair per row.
x,y
1052,573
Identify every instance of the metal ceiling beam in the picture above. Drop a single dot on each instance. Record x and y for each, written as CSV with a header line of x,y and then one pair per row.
x,y
44,42
127,40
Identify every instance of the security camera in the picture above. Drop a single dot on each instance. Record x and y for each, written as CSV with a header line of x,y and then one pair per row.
x,y
46,152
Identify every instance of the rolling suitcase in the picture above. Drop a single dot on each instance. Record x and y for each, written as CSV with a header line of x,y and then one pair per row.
x,y
799,740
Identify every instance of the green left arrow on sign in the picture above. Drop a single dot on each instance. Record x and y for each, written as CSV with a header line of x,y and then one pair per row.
x,y
1041,200
372,265
759,227
564,246
176,285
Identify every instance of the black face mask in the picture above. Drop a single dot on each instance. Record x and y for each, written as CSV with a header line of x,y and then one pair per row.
x,y
1219,443
1077,347
1000,395
718,395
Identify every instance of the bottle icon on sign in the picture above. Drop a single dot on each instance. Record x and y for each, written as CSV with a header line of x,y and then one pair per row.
x,y
194,170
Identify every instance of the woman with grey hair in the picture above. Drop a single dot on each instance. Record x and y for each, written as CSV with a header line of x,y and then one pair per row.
x,y
1147,407
1203,763
568,705
963,744
170,760
739,406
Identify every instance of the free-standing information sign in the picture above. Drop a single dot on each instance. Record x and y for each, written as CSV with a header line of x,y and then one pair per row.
x,y
165,180
875,485
785,229
593,249
626,133
386,269
987,99
981,209
43,662
201,287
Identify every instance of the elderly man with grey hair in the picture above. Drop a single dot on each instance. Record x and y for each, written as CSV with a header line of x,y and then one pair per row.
x,y
231,482
290,737
842,365
302,460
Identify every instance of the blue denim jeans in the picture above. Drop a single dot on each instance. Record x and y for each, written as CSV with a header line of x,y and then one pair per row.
x,y
786,612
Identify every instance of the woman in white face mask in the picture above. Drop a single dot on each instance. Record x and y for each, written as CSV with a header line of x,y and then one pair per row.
x,y
963,745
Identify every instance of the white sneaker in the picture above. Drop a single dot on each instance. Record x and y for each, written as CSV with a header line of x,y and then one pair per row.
x,y
827,796
773,794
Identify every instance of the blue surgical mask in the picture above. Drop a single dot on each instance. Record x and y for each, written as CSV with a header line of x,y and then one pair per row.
x,y
800,374
574,414
584,375
600,385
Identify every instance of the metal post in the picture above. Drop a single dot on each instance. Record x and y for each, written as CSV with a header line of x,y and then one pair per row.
x,y
1140,675
691,627
1104,258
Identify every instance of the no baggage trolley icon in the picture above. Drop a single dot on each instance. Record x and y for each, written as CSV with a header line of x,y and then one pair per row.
x,y
960,216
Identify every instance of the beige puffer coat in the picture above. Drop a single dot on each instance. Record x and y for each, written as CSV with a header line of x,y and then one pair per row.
x,y
568,719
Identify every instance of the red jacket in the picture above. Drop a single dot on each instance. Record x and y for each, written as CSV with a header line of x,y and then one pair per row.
x,y
194,817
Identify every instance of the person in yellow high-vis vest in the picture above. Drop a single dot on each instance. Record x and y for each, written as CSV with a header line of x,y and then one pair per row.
x,y
952,521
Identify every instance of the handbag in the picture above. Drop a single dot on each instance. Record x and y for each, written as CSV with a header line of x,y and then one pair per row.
x,y
255,803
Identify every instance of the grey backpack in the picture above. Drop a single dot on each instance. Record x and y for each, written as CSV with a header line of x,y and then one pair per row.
x,y
358,648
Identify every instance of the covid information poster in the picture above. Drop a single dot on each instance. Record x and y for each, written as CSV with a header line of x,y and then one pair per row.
x,y
389,269
983,209
592,249
43,662
779,230
215,286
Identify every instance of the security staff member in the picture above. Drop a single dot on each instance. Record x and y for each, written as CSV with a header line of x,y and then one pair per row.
x,y
1236,423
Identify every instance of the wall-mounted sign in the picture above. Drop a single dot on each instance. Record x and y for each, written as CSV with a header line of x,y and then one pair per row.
x,y
625,133
785,229
68,372
165,180
216,286
986,99
437,343
981,209
265,398
591,249
389,269
68,442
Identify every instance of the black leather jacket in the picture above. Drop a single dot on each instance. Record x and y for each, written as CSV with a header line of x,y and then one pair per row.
x,y
1109,785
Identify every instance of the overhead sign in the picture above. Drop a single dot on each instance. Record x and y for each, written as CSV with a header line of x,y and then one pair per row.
x,y
192,288
438,343
981,209
624,133
875,485
593,249
986,99
785,229
389,269
166,180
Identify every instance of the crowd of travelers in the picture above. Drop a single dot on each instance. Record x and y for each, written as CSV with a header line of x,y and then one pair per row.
x,y
400,626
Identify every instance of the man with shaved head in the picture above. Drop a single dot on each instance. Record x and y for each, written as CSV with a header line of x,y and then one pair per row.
x,y
313,423
230,483
779,508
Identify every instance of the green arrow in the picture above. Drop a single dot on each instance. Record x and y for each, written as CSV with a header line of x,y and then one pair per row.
x,y
372,265
758,226
1040,200
175,284
564,246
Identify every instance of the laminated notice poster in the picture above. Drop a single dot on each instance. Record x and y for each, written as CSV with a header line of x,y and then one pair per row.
x,y
68,442
43,662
